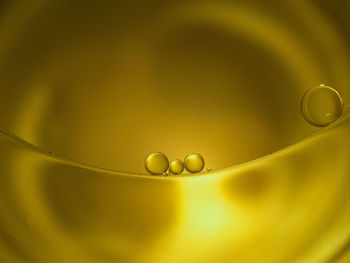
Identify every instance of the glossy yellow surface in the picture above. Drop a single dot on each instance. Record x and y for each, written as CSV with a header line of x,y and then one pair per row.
x,y
156,163
292,206
176,166
194,163
105,83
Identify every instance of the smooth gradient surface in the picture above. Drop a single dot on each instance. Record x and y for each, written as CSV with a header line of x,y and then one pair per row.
x,y
292,206
106,83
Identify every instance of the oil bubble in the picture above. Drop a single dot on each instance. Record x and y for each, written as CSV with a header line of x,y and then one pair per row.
x,y
166,173
194,163
176,166
156,163
321,105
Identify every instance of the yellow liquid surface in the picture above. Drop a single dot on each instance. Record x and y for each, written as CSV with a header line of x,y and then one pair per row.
x,y
292,206
106,84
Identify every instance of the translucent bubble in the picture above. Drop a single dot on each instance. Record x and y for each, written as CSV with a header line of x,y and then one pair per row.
x,y
157,163
194,163
176,166
321,105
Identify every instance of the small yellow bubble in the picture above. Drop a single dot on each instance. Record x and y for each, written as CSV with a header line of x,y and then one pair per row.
x,y
157,163
176,166
166,173
321,105
194,163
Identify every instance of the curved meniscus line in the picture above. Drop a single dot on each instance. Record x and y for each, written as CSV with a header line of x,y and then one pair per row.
x,y
345,116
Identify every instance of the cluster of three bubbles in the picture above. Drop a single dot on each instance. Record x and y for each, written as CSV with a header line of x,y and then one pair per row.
x,y
158,164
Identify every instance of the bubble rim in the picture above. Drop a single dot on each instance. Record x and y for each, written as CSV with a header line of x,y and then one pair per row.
x,y
304,101
198,155
182,167
152,155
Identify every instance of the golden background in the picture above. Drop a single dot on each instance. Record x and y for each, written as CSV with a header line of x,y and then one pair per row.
x,y
106,83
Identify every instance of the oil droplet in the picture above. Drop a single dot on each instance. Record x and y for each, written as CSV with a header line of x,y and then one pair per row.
x,y
176,166
194,163
166,173
157,163
321,105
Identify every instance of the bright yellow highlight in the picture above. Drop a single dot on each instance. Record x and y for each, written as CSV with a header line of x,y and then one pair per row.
x,y
245,214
